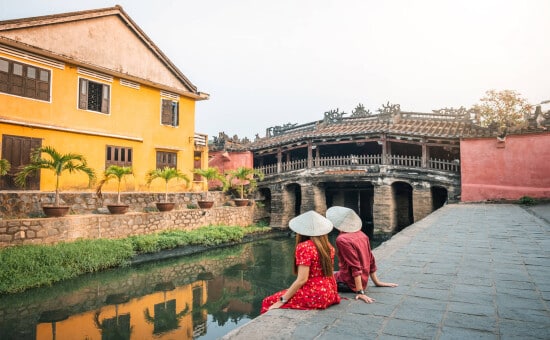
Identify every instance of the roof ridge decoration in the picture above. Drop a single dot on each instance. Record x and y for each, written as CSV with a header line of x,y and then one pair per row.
x,y
224,142
333,116
360,112
389,109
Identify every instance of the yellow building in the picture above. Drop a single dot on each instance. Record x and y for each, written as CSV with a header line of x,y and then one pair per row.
x,y
93,83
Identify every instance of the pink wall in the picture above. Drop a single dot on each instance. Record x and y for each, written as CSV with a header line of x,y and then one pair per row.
x,y
519,166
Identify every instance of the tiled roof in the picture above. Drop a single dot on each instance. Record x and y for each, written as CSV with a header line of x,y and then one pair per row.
x,y
403,124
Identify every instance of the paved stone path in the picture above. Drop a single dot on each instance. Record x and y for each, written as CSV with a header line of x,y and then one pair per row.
x,y
467,271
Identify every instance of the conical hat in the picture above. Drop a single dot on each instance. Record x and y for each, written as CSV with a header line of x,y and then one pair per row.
x,y
310,223
344,219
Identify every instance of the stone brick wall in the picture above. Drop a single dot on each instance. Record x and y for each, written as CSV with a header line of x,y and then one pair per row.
x,y
91,226
24,204
383,208
422,202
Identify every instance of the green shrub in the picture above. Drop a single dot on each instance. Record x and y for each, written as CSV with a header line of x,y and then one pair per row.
x,y
527,200
24,267
192,206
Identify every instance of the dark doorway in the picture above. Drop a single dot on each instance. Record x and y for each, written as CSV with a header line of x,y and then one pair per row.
x,y
402,195
17,150
263,206
357,196
439,197
294,192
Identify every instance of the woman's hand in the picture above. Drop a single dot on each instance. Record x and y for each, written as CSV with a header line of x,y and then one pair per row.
x,y
386,284
364,298
276,305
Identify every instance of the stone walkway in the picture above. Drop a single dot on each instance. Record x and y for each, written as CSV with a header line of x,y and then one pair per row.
x,y
467,271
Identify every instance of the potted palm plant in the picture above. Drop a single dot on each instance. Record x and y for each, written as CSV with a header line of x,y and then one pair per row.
x,y
167,174
58,163
243,179
4,167
209,174
111,173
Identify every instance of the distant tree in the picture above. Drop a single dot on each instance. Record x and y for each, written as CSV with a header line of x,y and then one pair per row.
x,y
503,110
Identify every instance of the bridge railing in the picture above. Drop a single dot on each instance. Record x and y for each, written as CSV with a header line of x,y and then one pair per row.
x,y
349,160
294,165
410,161
440,164
361,160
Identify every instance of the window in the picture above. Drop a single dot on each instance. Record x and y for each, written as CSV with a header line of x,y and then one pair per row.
x,y
166,159
24,80
93,96
170,112
118,155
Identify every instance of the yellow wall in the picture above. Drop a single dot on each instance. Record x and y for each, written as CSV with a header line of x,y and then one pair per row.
x,y
82,326
134,113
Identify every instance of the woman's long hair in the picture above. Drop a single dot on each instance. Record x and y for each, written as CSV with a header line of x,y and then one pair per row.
x,y
323,248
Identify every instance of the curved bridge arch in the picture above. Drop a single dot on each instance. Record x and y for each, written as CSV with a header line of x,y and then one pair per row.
x,y
388,198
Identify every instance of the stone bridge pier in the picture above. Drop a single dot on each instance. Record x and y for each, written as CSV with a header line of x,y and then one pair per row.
x,y
386,204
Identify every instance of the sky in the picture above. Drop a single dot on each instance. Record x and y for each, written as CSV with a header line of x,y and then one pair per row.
x,y
269,63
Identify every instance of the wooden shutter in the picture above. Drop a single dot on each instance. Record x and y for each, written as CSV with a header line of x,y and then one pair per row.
x,y
4,75
175,114
105,99
16,81
43,85
166,114
30,81
17,150
83,94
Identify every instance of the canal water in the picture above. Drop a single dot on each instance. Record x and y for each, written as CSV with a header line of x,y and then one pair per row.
x,y
201,296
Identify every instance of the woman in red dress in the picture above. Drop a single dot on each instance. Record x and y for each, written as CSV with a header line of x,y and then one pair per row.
x,y
315,286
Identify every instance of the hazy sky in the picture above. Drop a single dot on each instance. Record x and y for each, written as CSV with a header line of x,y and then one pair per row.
x,y
268,63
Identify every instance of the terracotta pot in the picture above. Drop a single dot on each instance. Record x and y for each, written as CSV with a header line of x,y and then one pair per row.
x,y
165,206
241,202
52,211
117,209
205,204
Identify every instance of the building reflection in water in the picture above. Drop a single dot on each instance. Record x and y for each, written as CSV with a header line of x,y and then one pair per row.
x,y
172,299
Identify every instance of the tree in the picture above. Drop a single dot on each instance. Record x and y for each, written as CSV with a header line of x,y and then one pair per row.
x,y
57,163
242,177
166,174
210,174
503,110
114,172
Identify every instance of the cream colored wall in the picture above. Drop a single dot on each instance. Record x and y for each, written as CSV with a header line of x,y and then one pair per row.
x,y
91,41
134,114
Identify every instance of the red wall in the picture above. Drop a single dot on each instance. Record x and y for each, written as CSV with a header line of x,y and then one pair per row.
x,y
226,161
519,166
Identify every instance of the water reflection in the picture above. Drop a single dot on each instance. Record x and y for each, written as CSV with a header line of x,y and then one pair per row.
x,y
199,296
194,297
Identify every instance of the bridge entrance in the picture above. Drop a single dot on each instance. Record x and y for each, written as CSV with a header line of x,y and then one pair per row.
x,y
358,196
439,197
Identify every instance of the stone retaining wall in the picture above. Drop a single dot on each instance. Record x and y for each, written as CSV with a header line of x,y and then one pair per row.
x,y
24,204
92,226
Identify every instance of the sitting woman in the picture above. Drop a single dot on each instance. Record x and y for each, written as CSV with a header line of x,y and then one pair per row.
x,y
315,286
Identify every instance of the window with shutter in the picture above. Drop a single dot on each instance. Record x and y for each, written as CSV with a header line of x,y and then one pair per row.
x,y
93,96
166,159
170,112
24,80
118,155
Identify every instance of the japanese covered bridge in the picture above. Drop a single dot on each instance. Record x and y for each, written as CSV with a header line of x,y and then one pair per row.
x,y
392,168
